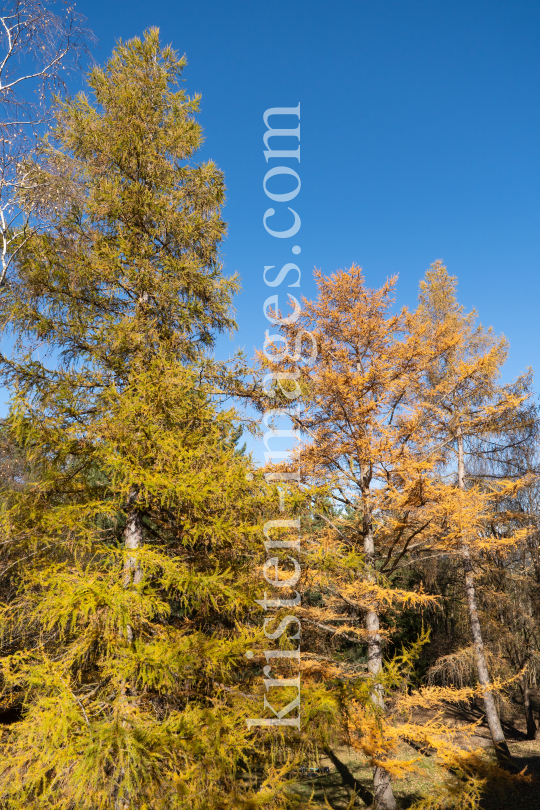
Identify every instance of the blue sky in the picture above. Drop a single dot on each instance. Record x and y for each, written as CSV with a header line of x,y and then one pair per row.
x,y
420,139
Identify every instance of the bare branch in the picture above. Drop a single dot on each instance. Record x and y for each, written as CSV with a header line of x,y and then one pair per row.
x,y
38,49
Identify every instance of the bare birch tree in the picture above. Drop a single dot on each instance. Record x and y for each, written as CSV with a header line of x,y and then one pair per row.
x,y
38,49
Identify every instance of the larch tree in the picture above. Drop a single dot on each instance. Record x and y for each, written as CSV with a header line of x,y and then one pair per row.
x,y
507,583
129,544
364,444
467,406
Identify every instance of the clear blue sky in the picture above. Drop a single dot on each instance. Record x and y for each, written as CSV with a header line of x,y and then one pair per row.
x,y
420,139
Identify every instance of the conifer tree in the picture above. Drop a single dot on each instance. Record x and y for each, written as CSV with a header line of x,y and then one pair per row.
x,y
466,406
370,464
129,546
364,443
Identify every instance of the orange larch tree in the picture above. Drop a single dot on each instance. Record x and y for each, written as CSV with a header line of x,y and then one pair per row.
x,y
468,411
365,443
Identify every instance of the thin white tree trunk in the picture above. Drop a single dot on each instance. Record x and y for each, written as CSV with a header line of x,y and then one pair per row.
x,y
384,798
132,574
132,541
492,715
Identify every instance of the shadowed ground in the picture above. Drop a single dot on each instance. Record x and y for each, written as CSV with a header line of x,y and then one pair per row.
x,y
348,771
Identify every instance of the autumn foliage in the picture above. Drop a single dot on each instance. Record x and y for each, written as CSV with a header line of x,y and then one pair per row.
x,y
133,523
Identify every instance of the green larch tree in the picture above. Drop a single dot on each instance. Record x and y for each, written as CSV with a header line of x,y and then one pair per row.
x,y
129,546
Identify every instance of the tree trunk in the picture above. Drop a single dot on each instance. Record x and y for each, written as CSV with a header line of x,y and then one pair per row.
x,y
527,705
382,786
490,707
492,715
132,540
132,575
